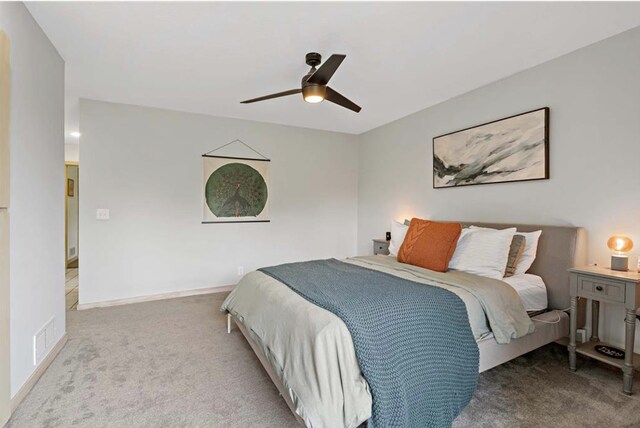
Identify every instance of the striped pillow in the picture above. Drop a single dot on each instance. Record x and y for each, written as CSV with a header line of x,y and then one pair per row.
x,y
515,252
483,252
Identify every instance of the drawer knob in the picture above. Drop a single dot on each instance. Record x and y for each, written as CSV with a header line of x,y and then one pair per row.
x,y
599,288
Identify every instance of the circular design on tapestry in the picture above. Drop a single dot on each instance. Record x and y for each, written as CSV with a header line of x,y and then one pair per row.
x,y
236,190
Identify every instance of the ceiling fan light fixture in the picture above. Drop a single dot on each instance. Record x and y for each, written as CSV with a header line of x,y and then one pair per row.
x,y
314,93
313,99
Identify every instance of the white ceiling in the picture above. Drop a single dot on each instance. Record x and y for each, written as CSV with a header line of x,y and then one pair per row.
x,y
401,57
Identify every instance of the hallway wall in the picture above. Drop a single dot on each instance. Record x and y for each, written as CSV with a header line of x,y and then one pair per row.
x,y
36,212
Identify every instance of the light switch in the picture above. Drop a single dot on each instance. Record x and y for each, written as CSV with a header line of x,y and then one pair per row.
x,y
102,214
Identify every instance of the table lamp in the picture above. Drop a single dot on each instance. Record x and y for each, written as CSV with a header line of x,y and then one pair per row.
x,y
620,245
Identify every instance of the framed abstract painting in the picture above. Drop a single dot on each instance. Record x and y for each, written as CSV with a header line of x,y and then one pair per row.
x,y
515,148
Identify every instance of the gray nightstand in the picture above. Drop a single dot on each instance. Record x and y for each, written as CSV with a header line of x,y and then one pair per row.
x,y
381,246
613,287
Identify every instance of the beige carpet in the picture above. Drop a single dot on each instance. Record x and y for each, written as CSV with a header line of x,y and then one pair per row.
x,y
171,364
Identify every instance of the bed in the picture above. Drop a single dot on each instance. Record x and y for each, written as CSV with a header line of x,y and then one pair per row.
x,y
309,353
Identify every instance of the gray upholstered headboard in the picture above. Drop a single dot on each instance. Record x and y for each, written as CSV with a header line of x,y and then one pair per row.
x,y
559,248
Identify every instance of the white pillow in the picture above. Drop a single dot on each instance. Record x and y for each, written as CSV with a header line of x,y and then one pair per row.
x,y
398,232
530,249
483,252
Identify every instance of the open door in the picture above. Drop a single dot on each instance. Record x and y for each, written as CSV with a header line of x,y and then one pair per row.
x,y
5,373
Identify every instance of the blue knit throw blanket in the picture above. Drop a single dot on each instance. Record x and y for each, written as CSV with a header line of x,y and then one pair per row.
x,y
413,341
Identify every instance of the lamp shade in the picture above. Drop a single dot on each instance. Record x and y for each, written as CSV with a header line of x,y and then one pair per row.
x,y
620,243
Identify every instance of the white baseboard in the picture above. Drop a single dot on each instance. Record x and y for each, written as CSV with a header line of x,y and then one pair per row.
x,y
153,297
35,376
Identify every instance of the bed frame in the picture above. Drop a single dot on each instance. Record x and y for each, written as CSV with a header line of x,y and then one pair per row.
x,y
559,248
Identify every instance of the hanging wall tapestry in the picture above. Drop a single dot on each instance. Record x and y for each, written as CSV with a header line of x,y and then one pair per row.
x,y
236,189
512,149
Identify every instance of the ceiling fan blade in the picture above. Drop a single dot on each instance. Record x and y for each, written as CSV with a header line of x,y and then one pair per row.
x,y
326,70
337,98
268,97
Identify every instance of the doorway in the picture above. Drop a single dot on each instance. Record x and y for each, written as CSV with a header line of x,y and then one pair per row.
x,y
71,249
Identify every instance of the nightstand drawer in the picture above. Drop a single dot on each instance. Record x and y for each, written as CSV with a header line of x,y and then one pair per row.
x,y
601,289
380,247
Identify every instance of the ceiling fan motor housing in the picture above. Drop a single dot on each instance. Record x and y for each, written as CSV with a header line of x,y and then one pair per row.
x,y
313,91
313,59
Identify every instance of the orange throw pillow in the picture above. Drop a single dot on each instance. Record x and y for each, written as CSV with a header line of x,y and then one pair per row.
x,y
429,244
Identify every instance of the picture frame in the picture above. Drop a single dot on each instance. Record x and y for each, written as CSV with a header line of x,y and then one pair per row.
x,y
510,149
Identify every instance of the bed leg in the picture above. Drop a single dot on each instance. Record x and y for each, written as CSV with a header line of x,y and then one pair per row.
x,y
228,323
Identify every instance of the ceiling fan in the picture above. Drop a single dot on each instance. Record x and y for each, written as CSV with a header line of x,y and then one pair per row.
x,y
314,84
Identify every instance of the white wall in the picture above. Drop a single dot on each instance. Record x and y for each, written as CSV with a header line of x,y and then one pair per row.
x,y
72,152
594,97
72,213
37,178
145,165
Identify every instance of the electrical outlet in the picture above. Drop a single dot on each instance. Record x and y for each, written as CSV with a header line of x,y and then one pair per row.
x,y
240,270
102,214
